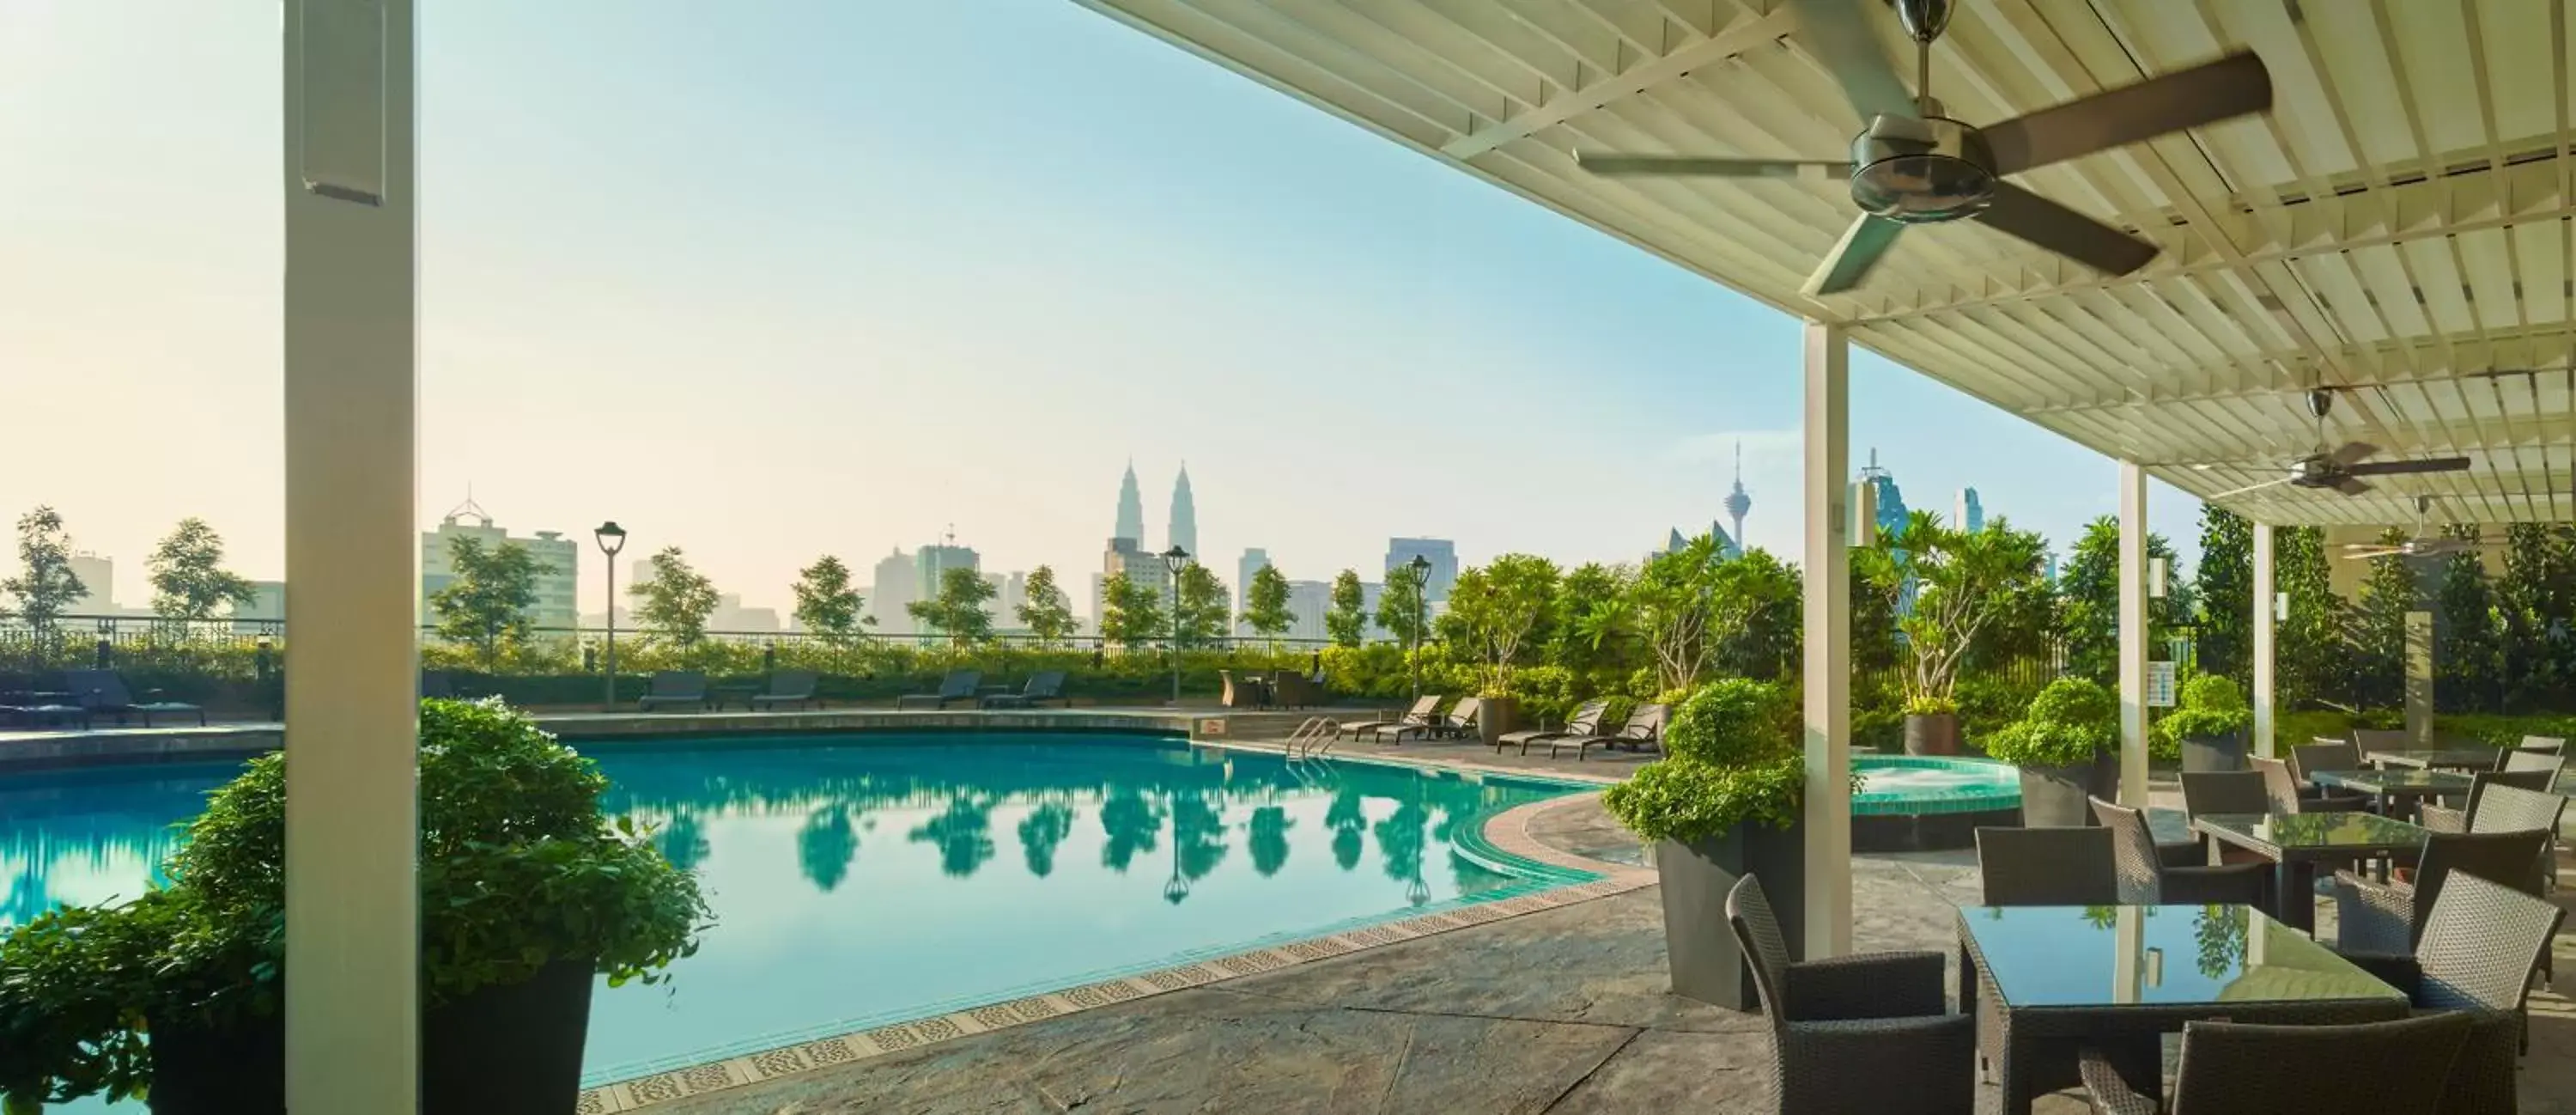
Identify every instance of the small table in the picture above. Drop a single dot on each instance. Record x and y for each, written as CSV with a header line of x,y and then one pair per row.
x,y
2058,976
2440,758
2297,842
2396,788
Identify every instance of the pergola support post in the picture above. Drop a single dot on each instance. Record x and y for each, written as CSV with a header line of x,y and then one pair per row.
x,y
352,558
1827,645
2133,635
2266,642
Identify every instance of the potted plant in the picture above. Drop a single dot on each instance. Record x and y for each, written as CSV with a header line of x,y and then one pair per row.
x,y
527,891
1722,804
2063,745
1931,725
1964,584
2210,725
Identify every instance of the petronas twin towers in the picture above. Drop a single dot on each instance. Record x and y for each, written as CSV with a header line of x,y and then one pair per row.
x,y
1131,512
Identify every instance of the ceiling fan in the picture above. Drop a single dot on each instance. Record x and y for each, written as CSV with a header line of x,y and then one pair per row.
x,y
1912,165
2418,545
2342,467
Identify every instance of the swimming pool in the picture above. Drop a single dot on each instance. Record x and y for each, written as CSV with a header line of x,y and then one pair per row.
x,y
1918,802
863,880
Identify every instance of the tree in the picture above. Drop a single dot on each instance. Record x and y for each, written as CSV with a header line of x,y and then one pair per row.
x,y
1965,581
2224,586
1593,625
2310,653
958,608
2537,599
1347,622
1877,588
45,584
1205,612
828,605
1402,608
673,603
1502,605
189,580
486,605
2379,629
2088,593
1131,613
1756,611
2468,651
1670,601
1043,608
1265,603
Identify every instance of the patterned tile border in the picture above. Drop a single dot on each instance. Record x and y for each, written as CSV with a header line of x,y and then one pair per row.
x,y
1508,831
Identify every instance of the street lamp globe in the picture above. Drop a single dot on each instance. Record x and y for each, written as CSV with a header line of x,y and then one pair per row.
x,y
1174,559
611,537
1421,565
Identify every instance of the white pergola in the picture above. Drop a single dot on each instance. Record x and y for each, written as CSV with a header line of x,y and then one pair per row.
x,y
2397,227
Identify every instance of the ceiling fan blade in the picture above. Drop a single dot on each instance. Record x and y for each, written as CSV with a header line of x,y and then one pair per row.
x,y
2204,94
2401,468
2233,492
1843,268
2065,231
1837,32
1621,166
2372,552
2353,452
2352,485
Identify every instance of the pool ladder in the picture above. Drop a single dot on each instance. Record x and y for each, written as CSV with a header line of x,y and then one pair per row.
x,y
1313,738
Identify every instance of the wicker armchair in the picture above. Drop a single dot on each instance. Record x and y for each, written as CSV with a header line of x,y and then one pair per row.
x,y
2323,755
2146,879
2282,787
2443,818
2385,918
1855,1033
2230,791
2478,949
2230,1068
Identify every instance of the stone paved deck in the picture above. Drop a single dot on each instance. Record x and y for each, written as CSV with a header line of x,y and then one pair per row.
x,y
1562,1011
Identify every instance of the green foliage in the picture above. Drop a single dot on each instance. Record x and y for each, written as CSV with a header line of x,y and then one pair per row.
x,y
2070,722
45,584
957,610
1265,602
1733,722
2088,591
2536,600
1043,609
189,580
1924,705
1965,583
2212,707
1204,610
1594,626
2223,587
1684,800
2378,646
2468,651
1131,613
485,606
1669,601
1756,607
1347,622
1877,585
827,604
2311,654
674,603
519,868
1401,608
1501,606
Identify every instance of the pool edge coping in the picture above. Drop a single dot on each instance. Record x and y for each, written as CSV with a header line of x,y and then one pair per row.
x,y
1507,831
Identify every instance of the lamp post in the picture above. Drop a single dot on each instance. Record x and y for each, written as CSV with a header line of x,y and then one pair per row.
x,y
1176,559
611,538
1421,567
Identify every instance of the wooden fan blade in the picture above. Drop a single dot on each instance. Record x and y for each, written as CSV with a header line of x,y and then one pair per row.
x,y
2352,485
2353,452
1867,239
1837,32
1641,166
2204,94
2065,231
2401,468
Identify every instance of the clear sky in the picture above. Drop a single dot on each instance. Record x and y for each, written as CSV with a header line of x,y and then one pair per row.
x,y
776,278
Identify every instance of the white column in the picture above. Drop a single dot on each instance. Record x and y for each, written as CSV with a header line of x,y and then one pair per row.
x,y
1828,645
2266,621
2133,635
352,552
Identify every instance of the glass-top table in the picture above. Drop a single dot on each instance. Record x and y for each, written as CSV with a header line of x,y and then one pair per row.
x,y
2440,758
2096,973
2397,785
2297,842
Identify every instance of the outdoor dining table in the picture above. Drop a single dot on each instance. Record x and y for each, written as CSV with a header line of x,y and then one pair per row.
x,y
2397,788
2297,842
2056,977
2440,758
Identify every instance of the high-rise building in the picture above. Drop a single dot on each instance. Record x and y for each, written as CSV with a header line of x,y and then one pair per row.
x,y
558,564
1308,601
97,575
731,615
1131,509
895,587
1891,501
1184,527
1440,552
1738,501
1244,568
267,606
932,562
1124,555
1972,513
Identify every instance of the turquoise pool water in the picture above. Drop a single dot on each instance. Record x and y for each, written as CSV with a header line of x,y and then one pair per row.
x,y
869,879
1920,784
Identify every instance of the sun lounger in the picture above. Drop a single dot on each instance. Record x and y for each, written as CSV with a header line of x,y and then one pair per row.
x,y
1585,721
675,688
1042,686
788,687
1420,713
1645,724
1460,718
959,685
103,692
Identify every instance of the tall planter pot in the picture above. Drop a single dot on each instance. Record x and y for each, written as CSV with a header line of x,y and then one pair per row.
x,y
1932,734
504,1050
2054,797
1495,716
1695,876
2207,754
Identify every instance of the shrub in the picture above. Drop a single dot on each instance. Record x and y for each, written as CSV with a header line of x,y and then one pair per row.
x,y
1732,722
2075,701
2212,707
1687,800
2070,722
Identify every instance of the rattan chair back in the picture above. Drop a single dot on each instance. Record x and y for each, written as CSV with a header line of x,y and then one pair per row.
x,y
2047,866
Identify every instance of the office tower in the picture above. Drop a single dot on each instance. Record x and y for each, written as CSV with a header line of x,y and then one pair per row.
x,y
1971,515
731,615
933,561
1738,501
1308,601
1244,569
558,562
267,606
1184,532
1124,555
896,586
97,575
1131,509
1891,510
1440,552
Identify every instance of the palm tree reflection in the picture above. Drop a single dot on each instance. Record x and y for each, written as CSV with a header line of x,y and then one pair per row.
x,y
1132,823
1040,832
1348,823
963,834
1269,841
826,845
1399,840
683,842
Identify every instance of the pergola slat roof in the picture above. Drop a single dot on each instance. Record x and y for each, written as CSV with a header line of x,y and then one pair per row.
x,y
2399,224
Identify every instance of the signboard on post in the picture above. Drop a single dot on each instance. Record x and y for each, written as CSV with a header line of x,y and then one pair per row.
x,y
2160,685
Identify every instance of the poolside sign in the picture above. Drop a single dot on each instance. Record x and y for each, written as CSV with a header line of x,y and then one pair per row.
x,y
2160,685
